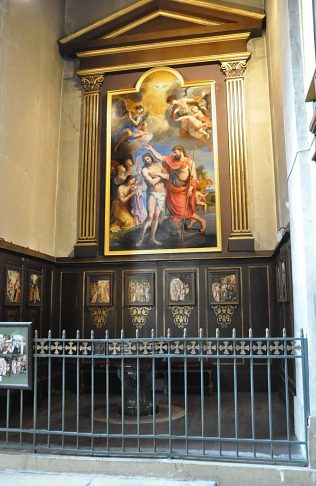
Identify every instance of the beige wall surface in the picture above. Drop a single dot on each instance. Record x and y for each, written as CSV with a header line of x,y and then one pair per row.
x,y
69,163
30,99
277,46
261,187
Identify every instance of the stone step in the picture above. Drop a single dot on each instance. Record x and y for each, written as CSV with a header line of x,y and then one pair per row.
x,y
27,478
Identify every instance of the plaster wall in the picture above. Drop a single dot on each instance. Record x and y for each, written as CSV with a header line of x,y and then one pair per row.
x,y
30,96
68,175
277,50
261,186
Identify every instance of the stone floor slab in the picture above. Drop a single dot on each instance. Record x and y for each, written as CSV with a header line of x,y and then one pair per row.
x,y
12,478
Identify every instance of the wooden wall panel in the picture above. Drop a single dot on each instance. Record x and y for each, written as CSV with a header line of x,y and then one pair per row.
x,y
41,315
69,303
255,307
259,299
64,300
284,302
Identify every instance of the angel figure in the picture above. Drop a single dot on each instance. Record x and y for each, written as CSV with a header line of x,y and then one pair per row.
x,y
133,126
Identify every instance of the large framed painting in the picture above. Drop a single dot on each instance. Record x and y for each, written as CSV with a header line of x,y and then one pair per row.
x,y
99,289
13,285
16,355
223,286
180,287
162,193
139,288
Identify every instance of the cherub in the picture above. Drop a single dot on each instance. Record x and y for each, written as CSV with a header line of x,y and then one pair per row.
x,y
200,200
132,127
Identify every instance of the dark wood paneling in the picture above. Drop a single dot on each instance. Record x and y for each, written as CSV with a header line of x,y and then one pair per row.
x,y
285,307
259,299
69,303
255,308
64,302
28,261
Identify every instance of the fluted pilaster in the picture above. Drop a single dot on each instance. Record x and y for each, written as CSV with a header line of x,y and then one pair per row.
x,y
241,237
87,227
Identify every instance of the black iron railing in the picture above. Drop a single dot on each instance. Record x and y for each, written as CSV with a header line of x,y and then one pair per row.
x,y
164,397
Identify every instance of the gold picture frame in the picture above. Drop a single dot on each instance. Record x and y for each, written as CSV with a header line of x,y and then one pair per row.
x,y
35,284
156,203
139,288
223,286
282,280
13,285
99,290
180,287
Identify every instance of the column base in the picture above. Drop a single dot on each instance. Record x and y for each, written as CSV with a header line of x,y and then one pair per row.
x,y
82,250
241,243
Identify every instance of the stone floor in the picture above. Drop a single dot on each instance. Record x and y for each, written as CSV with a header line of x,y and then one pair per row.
x,y
27,478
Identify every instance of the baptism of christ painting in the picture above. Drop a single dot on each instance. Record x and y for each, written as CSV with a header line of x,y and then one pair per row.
x,y
161,180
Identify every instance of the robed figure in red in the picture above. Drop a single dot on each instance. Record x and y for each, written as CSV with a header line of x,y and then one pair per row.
x,y
181,186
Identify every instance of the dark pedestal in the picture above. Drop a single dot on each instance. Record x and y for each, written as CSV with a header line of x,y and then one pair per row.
x,y
82,250
245,243
132,374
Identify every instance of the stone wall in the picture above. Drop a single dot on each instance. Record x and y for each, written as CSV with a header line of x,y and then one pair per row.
x,y
292,142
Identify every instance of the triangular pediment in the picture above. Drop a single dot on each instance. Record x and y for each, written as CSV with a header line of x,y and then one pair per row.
x,y
157,19
171,21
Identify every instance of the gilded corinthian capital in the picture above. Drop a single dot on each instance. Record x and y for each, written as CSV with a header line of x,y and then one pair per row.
x,y
92,84
234,69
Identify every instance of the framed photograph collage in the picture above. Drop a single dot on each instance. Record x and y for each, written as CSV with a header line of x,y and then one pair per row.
x,y
16,355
